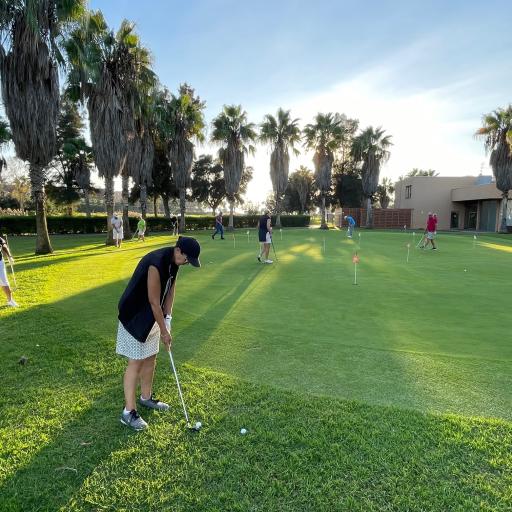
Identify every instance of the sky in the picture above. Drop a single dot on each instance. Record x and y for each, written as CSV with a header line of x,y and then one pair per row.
x,y
425,71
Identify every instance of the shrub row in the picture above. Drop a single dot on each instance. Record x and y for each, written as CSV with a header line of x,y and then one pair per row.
x,y
65,225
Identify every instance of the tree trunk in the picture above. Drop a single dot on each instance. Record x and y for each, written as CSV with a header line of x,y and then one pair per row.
x,y
109,206
278,213
231,225
323,223
43,245
125,193
183,192
70,210
87,203
155,206
143,200
503,225
167,211
369,213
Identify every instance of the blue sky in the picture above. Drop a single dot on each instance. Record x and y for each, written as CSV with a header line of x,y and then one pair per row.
x,y
424,70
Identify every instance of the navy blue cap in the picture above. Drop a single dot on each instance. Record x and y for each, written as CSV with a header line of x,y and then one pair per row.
x,y
190,248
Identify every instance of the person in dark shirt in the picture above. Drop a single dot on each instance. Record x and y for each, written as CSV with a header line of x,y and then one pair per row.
x,y
145,313
4,281
265,237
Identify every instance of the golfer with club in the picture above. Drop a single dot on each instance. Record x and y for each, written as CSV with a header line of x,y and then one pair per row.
x,y
351,224
141,229
4,281
265,237
145,312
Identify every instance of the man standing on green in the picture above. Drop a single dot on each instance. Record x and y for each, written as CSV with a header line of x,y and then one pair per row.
x,y
141,229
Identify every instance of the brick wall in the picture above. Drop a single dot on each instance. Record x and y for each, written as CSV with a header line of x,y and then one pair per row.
x,y
389,218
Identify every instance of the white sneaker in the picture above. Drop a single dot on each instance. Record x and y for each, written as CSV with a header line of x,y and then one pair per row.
x,y
12,303
269,261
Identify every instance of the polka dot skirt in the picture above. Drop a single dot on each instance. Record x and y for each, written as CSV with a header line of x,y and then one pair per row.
x,y
131,348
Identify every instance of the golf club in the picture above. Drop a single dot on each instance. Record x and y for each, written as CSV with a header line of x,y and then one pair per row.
x,y
198,425
421,240
274,249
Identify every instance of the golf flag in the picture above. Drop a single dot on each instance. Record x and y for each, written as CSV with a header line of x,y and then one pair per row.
x,y
355,259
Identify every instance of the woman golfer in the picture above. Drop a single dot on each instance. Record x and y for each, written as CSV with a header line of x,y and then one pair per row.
x,y
265,237
145,312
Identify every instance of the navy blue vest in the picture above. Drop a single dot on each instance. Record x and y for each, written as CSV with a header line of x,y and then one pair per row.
x,y
135,311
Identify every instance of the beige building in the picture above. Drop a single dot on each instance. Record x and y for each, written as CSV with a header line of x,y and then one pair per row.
x,y
467,202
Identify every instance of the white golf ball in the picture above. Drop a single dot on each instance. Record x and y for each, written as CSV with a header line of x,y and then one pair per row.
x,y
243,431
198,424
465,270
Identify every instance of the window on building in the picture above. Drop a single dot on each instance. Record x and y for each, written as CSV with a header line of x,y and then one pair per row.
x,y
408,191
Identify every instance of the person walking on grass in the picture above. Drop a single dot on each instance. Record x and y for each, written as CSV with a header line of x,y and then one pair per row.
x,y
265,237
141,229
219,228
117,229
430,231
145,313
5,253
351,224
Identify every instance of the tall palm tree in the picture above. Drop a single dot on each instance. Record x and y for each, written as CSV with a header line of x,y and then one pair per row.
x,y
371,148
5,138
497,134
236,136
102,73
324,137
182,121
280,133
302,182
29,58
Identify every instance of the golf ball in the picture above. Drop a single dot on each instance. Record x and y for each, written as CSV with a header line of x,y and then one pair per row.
x,y
465,270
198,425
243,431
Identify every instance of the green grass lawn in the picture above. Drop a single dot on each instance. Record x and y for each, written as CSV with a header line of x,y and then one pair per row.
x,y
395,394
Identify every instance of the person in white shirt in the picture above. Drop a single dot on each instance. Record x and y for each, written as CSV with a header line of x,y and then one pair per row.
x,y
117,229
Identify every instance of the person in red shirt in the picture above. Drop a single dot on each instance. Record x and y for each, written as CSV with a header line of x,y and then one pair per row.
x,y
430,230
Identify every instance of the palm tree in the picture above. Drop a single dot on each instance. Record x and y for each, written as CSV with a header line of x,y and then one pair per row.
x,y
280,133
184,120
302,182
5,137
324,137
103,73
29,58
235,134
421,172
497,134
371,148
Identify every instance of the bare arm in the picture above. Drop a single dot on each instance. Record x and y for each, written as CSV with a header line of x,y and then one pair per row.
x,y
269,226
5,250
169,300
154,301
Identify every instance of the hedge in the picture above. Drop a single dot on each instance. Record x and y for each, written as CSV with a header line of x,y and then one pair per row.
x,y
65,225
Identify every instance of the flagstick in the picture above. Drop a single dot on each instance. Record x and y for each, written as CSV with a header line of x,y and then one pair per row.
x,y
281,233
234,241
324,245
474,241
247,236
355,273
408,248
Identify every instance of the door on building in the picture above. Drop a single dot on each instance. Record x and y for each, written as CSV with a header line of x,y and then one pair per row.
x,y
454,220
488,215
470,215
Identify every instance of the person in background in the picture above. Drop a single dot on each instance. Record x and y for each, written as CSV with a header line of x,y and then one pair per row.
x,y
117,229
4,281
265,237
141,229
219,228
351,224
145,313
174,225
430,231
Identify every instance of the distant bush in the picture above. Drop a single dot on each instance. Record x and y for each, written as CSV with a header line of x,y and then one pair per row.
x,y
20,225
